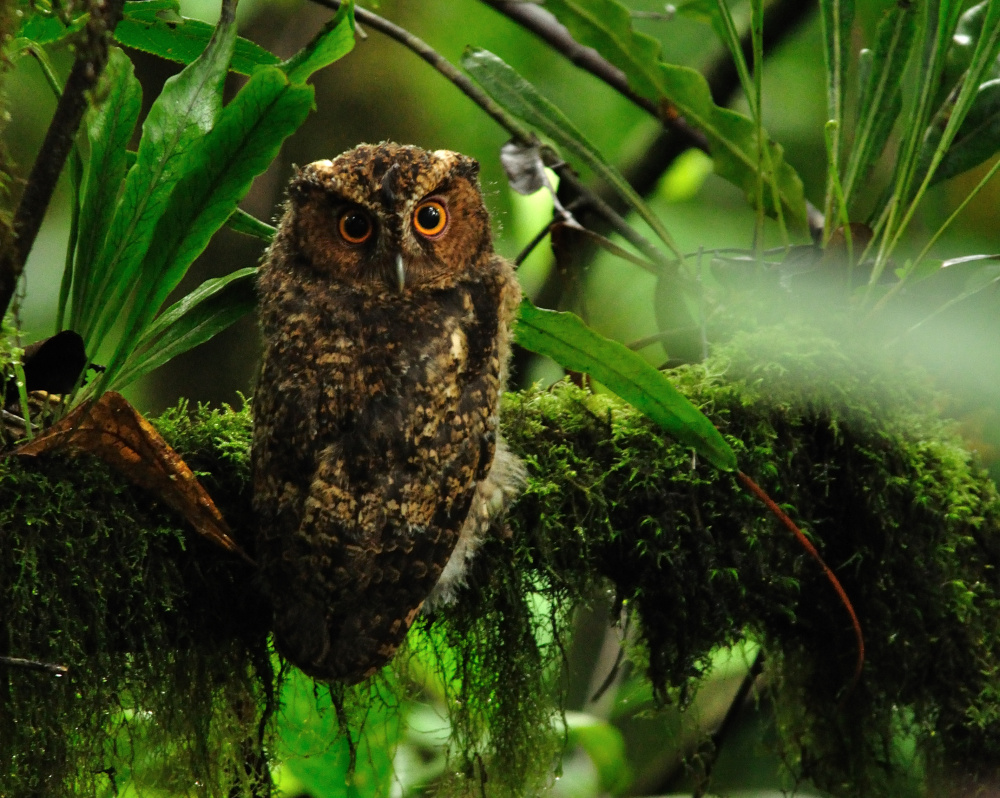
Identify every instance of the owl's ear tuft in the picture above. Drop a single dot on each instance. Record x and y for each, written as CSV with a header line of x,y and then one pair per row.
x,y
303,186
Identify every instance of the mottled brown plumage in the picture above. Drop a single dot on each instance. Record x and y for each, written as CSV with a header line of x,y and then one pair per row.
x,y
377,463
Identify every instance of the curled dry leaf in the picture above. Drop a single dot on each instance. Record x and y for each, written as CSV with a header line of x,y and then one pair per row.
x,y
110,428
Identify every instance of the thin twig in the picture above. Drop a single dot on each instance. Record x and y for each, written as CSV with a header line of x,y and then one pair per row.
x,y
91,57
518,132
34,665
544,24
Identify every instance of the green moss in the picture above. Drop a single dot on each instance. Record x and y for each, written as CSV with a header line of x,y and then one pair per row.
x,y
152,621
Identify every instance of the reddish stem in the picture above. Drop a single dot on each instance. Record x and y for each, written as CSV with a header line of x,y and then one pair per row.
x,y
758,491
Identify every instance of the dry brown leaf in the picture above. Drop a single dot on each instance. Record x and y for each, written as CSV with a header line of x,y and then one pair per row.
x,y
113,430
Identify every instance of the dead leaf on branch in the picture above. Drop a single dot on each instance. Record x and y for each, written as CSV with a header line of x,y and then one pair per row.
x,y
111,429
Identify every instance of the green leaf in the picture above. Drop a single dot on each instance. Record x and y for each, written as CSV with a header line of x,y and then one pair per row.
x,y
572,344
605,746
606,26
880,100
243,222
155,26
977,140
43,28
522,99
217,174
312,746
333,42
199,316
184,112
109,125
837,18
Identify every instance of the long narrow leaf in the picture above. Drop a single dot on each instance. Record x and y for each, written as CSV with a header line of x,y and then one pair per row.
x,y
523,100
199,316
606,26
243,222
880,101
109,126
572,344
185,111
218,173
156,27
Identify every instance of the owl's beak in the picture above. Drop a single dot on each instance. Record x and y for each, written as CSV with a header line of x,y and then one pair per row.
x,y
400,273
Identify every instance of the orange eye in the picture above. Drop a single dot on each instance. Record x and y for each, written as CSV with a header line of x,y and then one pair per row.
x,y
430,218
355,227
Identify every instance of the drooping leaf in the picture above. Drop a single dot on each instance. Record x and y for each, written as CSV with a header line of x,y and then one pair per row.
x,y
333,42
606,26
575,346
208,310
523,100
109,125
111,429
156,27
217,173
185,111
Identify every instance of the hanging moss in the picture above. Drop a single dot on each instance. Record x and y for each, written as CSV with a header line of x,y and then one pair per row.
x,y
153,623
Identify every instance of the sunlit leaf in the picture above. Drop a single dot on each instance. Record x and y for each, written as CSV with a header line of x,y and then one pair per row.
x,y
575,346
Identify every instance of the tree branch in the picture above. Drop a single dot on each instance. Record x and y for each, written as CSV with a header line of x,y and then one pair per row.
x,y
91,58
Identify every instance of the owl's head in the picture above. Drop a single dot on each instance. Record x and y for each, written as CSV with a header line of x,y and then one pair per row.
x,y
390,217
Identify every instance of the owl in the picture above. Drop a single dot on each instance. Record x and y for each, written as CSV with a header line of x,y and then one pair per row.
x,y
378,464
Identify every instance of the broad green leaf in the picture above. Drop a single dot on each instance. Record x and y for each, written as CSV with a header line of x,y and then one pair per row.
x,y
606,26
522,99
109,124
333,42
44,28
571,343
880,100
155,26
199,316
184,112
217,174
243,222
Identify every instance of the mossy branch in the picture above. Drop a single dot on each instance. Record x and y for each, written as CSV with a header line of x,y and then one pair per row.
x,y
98,576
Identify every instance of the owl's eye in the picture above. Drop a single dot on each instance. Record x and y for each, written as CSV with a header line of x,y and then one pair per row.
x,y
430,218
355,227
